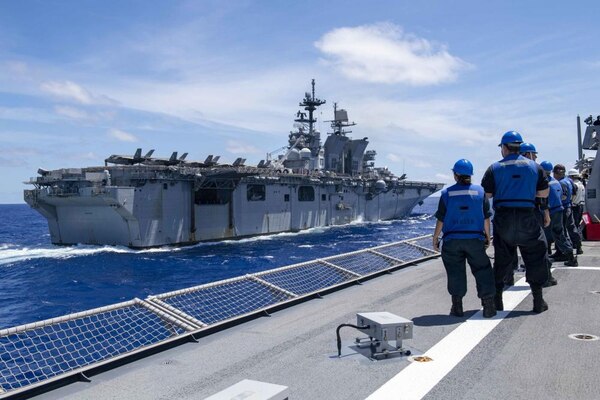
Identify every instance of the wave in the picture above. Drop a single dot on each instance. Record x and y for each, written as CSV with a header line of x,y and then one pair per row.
x,y
10,254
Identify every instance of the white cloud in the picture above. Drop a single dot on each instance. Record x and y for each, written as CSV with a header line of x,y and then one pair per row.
x,y
72,91
72,112
17,67
383,53
394,157
68,90
122,135
412,161
431,120
445,177
27,114
237,147
263,101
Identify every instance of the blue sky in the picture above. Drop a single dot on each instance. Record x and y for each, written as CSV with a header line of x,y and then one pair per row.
x,y
428,82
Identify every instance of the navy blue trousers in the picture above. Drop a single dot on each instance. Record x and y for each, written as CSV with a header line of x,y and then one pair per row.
x,y
556,232
570,228
455,254
519,227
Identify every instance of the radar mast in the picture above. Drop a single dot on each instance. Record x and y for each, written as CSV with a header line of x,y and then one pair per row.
x,y
340,121
306,135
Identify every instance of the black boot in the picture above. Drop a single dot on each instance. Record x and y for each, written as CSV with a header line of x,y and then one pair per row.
x,y
579,250
457,307
539,305
571,261
558,256
498,300
489,308
551,282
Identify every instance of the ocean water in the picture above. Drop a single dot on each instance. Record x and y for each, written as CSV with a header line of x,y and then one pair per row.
x,y
39,280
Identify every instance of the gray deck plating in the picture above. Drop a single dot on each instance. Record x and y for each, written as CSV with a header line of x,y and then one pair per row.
x,y
526,356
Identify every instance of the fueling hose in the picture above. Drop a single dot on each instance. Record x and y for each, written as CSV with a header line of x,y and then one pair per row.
x,y
339,339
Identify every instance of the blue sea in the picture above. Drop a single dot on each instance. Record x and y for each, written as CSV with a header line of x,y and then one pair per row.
x,y
39,280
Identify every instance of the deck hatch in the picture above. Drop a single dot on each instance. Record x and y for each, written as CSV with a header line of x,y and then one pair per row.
x,y
583,337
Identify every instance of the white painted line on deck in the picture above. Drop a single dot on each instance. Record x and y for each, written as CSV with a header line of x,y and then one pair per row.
x,y
417,379
579,268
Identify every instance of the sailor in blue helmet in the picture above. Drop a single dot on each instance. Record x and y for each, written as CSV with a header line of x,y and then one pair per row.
x,y
556,231
568,221
528,150
463,216
515,183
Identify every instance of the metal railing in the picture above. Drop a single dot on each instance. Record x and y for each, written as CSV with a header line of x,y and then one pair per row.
x,y
33,356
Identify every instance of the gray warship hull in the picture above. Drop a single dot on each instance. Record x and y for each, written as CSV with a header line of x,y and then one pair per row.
x,y
148,211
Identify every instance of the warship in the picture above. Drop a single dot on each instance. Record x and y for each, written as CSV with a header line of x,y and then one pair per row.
x,y
139,201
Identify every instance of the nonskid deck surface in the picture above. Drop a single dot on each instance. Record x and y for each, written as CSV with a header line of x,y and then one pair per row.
x,y
519,354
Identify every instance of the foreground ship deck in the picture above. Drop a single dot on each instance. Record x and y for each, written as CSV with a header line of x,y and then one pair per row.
x,y
517,354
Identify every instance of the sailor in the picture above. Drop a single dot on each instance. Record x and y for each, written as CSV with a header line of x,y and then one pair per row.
x,y
556,231
528,150
568,221
463,215
577,201
514,183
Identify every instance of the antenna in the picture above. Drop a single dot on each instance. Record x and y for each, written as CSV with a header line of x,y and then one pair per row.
x,y
310,104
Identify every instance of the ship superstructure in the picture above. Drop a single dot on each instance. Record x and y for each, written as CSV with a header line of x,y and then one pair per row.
x,y
140,201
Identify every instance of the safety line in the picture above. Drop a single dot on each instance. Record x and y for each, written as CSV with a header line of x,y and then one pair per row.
x,y
418,378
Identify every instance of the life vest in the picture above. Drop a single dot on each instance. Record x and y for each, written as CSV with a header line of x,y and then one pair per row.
x,y
554,196
579,195
569,192
464,212
515,179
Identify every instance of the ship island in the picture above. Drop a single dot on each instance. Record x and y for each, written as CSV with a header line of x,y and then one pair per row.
x,y
140,201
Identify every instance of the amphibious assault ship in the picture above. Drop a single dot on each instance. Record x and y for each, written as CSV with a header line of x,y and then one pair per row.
x,y
140,201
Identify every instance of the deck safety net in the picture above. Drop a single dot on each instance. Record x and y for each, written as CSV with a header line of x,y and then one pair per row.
x,y
42,352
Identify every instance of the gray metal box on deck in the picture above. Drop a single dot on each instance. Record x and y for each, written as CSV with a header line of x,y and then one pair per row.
x,y
385,326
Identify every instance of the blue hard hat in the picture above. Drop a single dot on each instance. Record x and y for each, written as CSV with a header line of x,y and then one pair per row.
x,y
527,148
511,137
546,166
463,167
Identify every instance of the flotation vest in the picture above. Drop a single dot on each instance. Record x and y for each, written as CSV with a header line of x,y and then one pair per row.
x,y
464,212
515,180
569,191
554,196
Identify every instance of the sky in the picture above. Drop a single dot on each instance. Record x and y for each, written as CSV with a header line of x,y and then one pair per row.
x,y
428,82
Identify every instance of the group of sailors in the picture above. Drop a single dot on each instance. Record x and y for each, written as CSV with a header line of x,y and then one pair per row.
x,y
534,205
